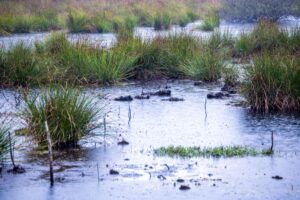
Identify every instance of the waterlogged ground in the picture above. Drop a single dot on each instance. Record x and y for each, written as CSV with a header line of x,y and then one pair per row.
x,y
155,123
146,33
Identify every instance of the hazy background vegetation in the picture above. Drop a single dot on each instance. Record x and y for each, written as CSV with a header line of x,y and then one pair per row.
x,y
253,10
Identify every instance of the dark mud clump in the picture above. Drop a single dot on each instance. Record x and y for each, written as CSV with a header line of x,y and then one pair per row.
x,y
198,83
231,89
217,95
277,177
173,99
180,180
161,177
161,93
123,142
141,97
17,170
113,172
184,187
124,98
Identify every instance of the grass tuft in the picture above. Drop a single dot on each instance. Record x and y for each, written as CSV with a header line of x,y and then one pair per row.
x,y
207,66
78,22
19,66
231,76
272,83
69,116
210,22
162,22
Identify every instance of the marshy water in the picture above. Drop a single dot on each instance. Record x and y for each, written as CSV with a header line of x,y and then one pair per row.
x,y
153,123
146,33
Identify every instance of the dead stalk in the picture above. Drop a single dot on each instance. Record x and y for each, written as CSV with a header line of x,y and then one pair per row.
x,y
272,141
205,103
98,171
129,114
50,154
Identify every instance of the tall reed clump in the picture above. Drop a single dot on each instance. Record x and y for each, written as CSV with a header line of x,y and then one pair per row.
x,y
162,22
293,41
162,56
272,83
70,116
207,62
81,63
231,76
2,66
243,45
267,36
206,66
219,42
111,67
19,66
78,22
28,23
4,143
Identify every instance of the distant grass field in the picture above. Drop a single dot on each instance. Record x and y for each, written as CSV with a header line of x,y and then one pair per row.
x,y
98,16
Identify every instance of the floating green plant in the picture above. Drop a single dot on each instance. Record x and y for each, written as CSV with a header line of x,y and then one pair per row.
x,y
223,151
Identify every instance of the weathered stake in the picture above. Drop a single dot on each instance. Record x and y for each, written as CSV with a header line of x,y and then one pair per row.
x,y
129,114
50,154
272,141
11,150
205,108
98,172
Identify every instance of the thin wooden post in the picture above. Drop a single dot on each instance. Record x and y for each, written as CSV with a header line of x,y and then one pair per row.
x,y
98,172
129,114
272,141
50,154
205,108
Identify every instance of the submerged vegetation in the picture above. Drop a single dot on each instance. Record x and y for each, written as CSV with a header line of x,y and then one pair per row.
x,y
69,116
223,151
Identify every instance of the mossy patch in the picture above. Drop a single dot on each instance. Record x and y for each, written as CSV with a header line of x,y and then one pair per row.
x,y
222,151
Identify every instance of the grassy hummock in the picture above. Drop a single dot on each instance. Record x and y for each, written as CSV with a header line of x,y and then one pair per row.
x,y
223,151
267,36
272,83
69,115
